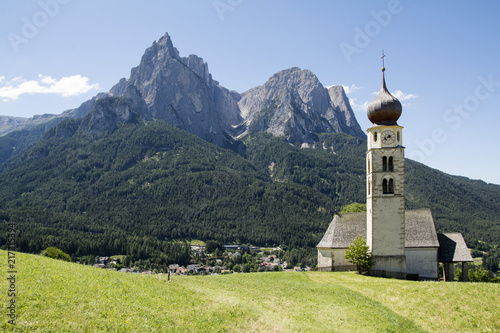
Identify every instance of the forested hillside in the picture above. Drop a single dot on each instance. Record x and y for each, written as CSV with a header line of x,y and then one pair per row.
x,y
16,142
458,204
146,184
135,190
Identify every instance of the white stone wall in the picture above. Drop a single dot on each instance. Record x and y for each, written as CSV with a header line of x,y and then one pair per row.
x,y
325,257
339,259
333,257
390,263
386,211
388,227
422,261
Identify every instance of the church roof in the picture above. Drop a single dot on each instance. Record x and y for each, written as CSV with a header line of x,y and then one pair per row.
x,y
343,230
419,230
453,248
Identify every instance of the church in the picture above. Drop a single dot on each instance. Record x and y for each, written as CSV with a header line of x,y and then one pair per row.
x,y
403,243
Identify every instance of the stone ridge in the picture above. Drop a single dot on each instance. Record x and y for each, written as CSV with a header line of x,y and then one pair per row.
x,y
293,103
181,91
340,102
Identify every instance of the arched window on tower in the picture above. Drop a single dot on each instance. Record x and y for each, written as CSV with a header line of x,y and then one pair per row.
x,y
391,164
384,163
388,186
375,136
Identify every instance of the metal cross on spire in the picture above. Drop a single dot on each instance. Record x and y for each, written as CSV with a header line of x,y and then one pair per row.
x,y
383,62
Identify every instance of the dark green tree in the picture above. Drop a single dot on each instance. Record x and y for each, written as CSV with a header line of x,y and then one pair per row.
x,y
213,245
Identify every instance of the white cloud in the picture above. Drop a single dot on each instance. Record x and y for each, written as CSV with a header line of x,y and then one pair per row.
x,y
364,107
351,88
358,107
402,96
354,104
397,93
66,86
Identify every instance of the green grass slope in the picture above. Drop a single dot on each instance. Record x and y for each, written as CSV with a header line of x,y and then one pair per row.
x,y
54,296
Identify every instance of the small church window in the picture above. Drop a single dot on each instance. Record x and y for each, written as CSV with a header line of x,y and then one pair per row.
x,y
384,163
391,164
398,136
388,186
375,136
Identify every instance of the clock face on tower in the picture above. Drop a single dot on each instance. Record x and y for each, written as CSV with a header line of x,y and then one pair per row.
x,y
388,137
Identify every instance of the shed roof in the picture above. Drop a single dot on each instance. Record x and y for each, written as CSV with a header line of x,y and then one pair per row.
x,y
452,248
419,230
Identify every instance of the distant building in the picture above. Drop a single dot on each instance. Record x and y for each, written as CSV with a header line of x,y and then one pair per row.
x,y
401,241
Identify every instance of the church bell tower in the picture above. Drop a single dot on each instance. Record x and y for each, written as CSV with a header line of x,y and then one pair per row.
x,y
385,176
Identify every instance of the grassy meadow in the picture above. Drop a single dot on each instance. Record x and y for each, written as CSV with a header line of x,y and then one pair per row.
x,y
55,296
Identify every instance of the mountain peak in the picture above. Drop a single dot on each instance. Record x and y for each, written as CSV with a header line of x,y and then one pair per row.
x,y
296,79
180,91
293,103
166,46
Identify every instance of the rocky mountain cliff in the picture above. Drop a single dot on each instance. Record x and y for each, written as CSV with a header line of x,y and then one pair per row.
x,y
294,104
181,91
341,105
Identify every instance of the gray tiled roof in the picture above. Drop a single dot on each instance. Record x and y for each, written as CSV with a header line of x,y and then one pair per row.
x,y
419,227
343,230
452,248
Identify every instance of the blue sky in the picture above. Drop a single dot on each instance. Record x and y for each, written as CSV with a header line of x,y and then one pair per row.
x,y
441,58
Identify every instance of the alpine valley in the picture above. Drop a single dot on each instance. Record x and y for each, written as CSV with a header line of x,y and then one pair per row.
x,y
170,155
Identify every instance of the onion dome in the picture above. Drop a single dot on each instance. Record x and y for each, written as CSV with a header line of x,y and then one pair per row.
x,y
385,109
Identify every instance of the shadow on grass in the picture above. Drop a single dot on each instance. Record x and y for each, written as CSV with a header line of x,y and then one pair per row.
x,y
294,302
